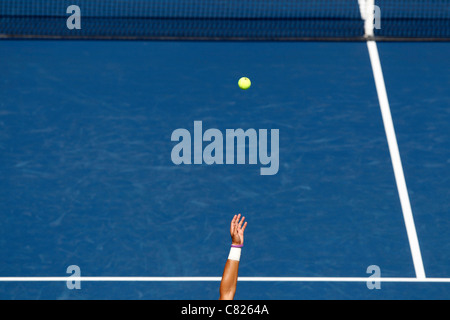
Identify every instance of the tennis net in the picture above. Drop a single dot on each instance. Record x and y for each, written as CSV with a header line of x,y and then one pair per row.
x,y
224,19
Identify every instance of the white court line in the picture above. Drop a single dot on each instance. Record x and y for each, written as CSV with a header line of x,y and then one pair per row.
x,y
216,279
396,161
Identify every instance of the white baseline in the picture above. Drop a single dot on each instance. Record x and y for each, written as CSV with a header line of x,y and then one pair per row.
x,y
215,279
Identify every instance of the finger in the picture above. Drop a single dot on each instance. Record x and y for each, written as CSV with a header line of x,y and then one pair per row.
x,y
236,220
241,222
233,224
243,228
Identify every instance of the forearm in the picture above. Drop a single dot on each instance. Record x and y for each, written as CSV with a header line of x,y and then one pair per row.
x,y
229,280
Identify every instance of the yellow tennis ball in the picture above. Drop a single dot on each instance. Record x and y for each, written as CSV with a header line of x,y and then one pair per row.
x,y
244,83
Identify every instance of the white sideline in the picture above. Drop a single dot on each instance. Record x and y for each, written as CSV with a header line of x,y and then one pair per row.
x,y
396,160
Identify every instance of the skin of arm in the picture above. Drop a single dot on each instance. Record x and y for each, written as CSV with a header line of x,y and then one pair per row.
x,y
230,272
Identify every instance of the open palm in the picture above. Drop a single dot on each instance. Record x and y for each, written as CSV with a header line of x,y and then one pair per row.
x,y
237,228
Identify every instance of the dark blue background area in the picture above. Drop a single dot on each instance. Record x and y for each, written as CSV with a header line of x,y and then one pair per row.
x,y
420,100
210,291
87,177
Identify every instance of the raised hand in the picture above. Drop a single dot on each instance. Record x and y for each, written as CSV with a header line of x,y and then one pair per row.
x,y
237,228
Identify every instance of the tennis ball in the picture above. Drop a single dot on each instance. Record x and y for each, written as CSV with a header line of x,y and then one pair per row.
x,y
244,83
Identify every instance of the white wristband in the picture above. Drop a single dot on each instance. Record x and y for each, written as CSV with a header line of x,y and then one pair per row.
x,y
235,254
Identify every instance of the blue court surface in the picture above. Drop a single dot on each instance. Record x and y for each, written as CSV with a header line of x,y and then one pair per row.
x,y
88,179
